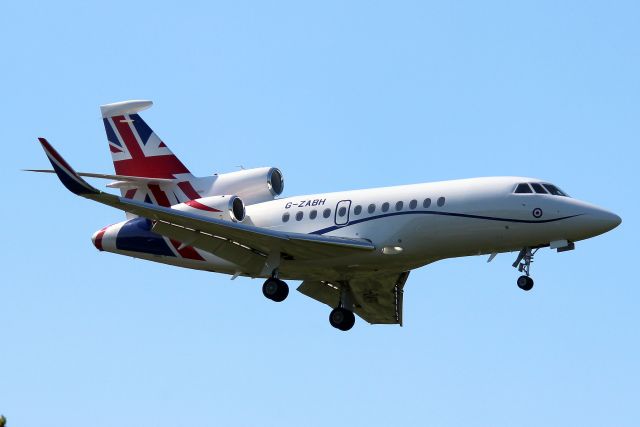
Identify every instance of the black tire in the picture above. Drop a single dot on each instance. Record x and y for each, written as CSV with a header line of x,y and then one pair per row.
x,y
525,283
270,288
275,289
341,318
351,320
283,292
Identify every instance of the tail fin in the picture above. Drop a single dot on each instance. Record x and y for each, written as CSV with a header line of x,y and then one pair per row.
x,y
138,152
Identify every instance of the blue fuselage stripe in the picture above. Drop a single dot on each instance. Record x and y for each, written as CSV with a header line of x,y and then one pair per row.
x,y
459,215
136,236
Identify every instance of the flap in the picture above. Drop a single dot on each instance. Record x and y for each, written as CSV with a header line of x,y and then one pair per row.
x,y
377,298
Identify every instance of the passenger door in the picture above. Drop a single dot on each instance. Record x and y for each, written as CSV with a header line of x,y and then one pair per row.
x,y
343,209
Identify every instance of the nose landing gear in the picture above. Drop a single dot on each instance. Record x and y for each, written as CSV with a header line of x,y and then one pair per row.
x,y
525,283
523,264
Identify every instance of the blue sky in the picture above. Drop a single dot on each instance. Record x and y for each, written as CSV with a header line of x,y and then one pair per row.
x,y
339,95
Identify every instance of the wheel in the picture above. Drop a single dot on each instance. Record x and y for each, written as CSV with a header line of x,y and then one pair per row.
x,y
341,318
525,283
275,289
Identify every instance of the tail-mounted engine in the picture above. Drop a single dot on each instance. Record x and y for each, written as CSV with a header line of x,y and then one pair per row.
x,y
253,185
230,208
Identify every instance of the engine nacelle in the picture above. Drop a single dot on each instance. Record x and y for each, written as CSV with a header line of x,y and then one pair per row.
x,y
230,208
253,185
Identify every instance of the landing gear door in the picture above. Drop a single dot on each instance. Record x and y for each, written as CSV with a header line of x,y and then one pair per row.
x,y
343,209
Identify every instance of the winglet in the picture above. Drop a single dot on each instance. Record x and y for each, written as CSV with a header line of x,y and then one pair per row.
x,y
65,173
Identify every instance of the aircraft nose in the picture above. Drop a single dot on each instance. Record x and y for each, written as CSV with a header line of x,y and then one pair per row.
x,y
603,220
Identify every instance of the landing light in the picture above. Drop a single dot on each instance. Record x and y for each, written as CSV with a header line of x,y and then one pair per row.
x,y
392,250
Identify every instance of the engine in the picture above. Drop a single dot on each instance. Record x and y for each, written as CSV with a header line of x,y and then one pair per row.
x,y
253,185
230,208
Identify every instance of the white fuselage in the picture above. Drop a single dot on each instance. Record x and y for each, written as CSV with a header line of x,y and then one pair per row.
x,y
413,225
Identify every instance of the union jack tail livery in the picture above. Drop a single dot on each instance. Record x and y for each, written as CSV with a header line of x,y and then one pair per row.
x,y
137,151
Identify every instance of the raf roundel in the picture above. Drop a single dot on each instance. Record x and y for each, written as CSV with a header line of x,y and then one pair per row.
x,y
537,213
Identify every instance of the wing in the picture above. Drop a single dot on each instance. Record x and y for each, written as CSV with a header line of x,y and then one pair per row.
x,y
206,233
376,298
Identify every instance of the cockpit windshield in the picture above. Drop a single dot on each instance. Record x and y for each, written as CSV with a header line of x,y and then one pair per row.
x,y
523,189
539,188
555,190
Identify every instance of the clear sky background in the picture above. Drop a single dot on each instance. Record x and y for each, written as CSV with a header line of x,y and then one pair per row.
x,y
339,95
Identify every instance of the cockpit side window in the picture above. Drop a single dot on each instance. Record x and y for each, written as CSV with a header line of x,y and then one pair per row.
x,y
538,188
523,188
554,190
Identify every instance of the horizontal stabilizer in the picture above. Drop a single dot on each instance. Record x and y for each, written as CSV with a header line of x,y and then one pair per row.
x,y
133,179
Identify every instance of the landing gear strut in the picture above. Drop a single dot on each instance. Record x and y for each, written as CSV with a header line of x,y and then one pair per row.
x,y
275,289
342,317
523,264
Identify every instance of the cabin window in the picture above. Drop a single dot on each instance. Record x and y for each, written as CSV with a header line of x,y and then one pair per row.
x,y
440,201
385,206
299,216
413,204
426,203
399,206
372,208
326,213
342,211
313,214
538,188
523,189
357,210
285,217
554,190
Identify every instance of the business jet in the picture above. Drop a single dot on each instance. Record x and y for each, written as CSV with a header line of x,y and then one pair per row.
x,y
352,250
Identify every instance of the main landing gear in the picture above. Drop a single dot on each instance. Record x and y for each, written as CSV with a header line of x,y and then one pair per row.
x,y
341,317
523,264
275,289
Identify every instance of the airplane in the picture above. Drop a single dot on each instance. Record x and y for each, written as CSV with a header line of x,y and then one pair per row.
x,y
352,250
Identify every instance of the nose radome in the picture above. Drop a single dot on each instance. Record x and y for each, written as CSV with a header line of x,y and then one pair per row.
x,y
615,220
606,220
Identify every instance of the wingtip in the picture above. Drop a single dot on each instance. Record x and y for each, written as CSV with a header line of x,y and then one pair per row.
x,y
44,143
65,172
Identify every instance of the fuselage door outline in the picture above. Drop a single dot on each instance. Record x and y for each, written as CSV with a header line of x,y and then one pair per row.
x,y
343,219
